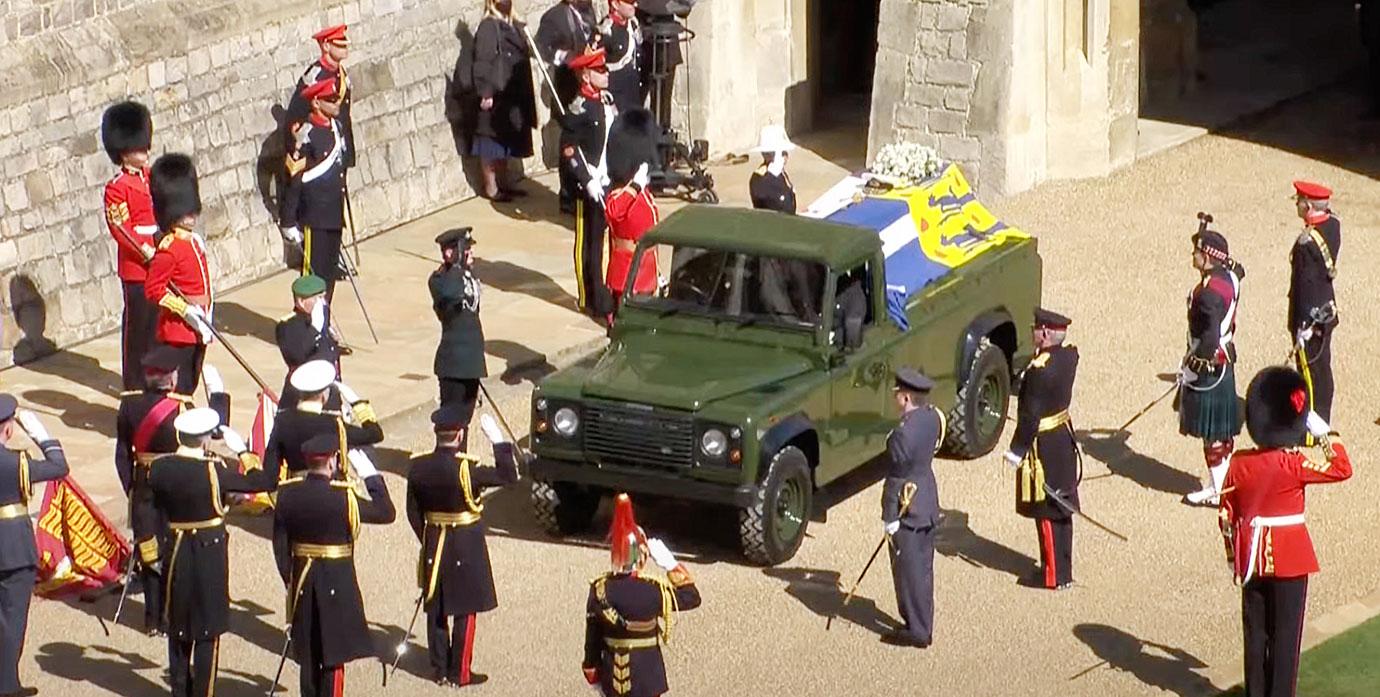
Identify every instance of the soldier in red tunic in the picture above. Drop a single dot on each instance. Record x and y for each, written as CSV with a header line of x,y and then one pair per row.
x,y
1261,516
127,133
629,207
179,280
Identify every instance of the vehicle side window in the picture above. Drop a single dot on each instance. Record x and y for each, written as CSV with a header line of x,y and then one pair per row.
x,y
853,300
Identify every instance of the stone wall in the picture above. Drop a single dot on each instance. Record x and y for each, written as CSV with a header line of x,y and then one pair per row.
x,y
213,72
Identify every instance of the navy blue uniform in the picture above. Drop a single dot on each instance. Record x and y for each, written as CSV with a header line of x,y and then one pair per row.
x,y
298,341
315,195
1313,304
292,428
584,141
626,619
911,447
18,555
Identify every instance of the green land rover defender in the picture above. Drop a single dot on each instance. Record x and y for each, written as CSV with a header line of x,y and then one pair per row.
x,y
762,371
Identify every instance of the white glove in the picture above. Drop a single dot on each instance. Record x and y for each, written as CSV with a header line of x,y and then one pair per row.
x,y
892,527
211,378
661,555
595,190
364,467
1012,459
559,58
233,441
1304,334
491,429
643,175
347,394
318,315
1317,426
292,234
1186,376
32,426
197,318
778,164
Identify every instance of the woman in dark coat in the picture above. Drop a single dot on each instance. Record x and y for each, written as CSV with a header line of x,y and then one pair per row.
x,y
506,107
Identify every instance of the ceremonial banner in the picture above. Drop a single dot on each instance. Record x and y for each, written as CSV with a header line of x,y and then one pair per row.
x,y
258,443
78,548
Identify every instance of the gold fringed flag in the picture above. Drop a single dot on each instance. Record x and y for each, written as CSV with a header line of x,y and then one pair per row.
x,y
259,432
78,548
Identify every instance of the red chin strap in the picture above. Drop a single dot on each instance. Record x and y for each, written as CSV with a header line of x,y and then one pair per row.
x,y
1316,217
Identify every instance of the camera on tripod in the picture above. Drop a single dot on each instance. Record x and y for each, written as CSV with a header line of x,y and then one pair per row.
x,y
681,170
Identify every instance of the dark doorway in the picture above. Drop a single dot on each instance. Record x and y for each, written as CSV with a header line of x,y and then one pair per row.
x,y
845,59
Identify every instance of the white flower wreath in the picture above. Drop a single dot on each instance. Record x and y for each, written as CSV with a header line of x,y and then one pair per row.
x,y
906,161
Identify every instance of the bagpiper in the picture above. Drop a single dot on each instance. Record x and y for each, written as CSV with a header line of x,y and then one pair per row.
x,y
316,523
179,278
189,486
313,206
564,31
622,39
629,206
584,137
334,42
453,571
910,506
303,336
770,187
1043,448
1207,379
628,613
1262,519
455,296
1312,299
292,428
127,134
18,554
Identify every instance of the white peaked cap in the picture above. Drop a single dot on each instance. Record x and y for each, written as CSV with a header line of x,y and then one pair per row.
x,y
313,376
197,422
774,139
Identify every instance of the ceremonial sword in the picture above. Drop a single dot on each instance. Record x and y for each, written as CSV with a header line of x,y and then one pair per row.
x,y
907,494
402,645
1064,503
350,272
556,97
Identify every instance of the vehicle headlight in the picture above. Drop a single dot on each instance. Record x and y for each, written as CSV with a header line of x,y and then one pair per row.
x,y
566,421
713,443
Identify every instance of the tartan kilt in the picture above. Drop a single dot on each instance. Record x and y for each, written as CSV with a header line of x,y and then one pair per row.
x,y
1209,408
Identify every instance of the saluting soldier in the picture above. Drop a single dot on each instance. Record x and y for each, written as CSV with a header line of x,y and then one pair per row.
x,y
18,554
334,42
313,206
455,295
770,186
188,487
910,506
315,525
584,132
1262,519
563,32
127,134
628,614
179,278
630,207
444,509
1044,450
622,39
1207,379
1312,299
303,336
292,428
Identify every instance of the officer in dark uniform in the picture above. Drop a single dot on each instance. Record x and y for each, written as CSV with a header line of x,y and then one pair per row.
x,y
455,295
302,336
770,186
1312,299
293,427
188,488
622,39
313,206
910,506
443,489
563,32
628,613
18,555
315,524
584,140
334,43
1043,448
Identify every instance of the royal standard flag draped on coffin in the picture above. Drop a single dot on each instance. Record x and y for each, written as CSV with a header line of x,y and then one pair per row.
x,y
927,229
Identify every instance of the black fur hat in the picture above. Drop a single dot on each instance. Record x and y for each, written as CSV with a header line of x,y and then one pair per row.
x,y
172,184
126,126
632,141
1277,408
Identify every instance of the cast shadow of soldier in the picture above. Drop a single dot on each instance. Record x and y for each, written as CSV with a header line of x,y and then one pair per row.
x,y
1155,665
122,672
512,278
237,320
268,177
819,590
1110,447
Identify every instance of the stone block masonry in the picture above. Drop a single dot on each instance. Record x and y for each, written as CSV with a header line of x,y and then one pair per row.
x,y
214,73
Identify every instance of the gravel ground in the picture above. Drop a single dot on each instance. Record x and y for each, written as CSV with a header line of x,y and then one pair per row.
x,y
1158,614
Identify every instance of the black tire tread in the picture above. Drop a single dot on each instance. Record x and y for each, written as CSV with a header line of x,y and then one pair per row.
x,y
957,442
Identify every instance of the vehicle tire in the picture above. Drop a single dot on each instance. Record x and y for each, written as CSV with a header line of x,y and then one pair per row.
x,y
771,529
563,509
976,422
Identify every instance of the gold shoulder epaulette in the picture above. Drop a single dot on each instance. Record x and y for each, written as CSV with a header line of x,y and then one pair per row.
x,y
287,317
342,485
292,480
131,393
181,397
1040,361
165,242
466,457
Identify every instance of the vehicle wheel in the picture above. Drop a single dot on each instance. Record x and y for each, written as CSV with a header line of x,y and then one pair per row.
x,y
707,196
772,528
563,509
976,422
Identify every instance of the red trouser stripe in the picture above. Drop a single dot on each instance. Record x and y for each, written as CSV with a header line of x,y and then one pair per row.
x,y
1047,549
467,650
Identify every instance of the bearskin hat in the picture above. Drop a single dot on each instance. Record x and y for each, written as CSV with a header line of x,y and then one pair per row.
x,y
632,141
126,126
172,184
1277,408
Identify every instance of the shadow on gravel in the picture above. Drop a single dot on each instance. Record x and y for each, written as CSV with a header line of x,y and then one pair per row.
x,y
818,590
955,538
75,413
511,278
120,672
1109,447
1155,665
237,320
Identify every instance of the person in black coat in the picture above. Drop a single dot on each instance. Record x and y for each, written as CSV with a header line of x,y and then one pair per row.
x,y
584,152
1044,450
18,554
315,525
507,106
444,509
188,487
455,294
563,32
293,427
910,507
313,206
1312,299
334,43
302,336
622,37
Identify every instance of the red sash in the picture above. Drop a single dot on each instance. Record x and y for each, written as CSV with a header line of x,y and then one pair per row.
x,y
152,420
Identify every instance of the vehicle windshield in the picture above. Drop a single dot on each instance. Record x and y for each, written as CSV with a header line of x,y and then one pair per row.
x,y
743,288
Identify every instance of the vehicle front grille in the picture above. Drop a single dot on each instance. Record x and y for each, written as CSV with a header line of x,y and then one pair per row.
x,y
638,435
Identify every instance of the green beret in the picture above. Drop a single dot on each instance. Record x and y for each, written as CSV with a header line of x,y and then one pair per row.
x,y
307,286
